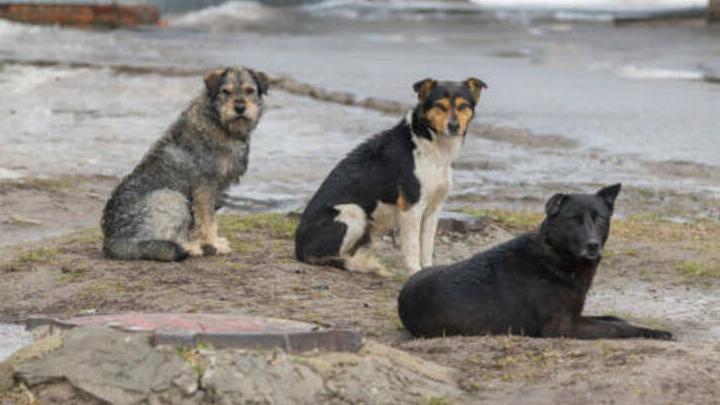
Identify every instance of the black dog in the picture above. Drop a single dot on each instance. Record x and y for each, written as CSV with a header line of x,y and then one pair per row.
x,y
397,179
534,285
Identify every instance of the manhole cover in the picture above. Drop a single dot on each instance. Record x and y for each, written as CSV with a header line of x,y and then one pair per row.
x,y
218,330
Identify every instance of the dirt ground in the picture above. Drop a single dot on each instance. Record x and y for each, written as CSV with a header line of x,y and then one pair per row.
x,y
656,272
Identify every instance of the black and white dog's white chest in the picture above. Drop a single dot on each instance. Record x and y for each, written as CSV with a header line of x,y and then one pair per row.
x,y
433,167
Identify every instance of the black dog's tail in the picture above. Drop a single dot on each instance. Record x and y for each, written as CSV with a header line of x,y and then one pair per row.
x,y
161,250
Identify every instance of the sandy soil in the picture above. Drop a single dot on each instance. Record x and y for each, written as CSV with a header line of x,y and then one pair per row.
x,y
657,273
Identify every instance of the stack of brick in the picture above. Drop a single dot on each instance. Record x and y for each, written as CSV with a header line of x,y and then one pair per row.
x,y
80,15
714,11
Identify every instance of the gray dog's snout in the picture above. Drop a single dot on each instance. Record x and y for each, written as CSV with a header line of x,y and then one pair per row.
x,y
240,107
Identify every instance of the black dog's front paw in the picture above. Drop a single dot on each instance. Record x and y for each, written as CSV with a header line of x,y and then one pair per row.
x,y
609,318
656,334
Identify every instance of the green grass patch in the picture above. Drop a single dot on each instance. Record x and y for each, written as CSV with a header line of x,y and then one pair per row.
x,y
29,259
57,184
703,271
37,255
85,236
278,225
191,355
101,289
435,401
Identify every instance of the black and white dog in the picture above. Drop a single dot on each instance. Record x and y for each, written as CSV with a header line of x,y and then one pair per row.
x,y
396,180
534,285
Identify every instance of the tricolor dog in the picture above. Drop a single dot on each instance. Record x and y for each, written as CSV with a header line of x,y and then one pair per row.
x,y
395,181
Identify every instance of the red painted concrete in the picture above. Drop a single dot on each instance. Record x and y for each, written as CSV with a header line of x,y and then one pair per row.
x,y
80,15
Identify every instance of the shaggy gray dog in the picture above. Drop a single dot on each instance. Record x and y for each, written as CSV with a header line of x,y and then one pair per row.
x,y
165,209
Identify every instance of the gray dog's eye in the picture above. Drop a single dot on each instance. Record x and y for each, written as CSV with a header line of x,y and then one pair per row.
x,y
226,92
249,91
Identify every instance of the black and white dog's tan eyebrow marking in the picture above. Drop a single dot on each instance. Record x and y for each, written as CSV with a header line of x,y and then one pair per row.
x,y
397,180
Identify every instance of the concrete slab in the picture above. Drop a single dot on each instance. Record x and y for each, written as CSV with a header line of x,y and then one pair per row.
x,y
218,330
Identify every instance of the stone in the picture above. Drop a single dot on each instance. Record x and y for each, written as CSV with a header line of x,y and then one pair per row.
x,y
111,366
377,375
95,364
252,377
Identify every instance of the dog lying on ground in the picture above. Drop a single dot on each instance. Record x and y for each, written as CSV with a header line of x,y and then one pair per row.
x,y
397,179
534,285
165,209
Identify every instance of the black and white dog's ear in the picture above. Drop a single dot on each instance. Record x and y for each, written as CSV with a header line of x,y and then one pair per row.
x,y
553,205
476,86
610,193
261,79
424,87
213,80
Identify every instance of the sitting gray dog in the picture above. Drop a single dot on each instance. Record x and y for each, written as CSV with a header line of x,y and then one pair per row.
x,y
165,209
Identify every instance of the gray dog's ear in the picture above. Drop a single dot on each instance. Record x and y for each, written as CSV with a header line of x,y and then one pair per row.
x,y
424,87
261,79
214,79
610,193
552,207
476,86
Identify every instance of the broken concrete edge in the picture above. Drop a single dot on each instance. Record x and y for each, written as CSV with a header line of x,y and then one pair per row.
x,y
285,83
674,15
104,365
348,340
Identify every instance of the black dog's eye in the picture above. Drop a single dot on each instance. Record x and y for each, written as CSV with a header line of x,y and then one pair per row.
x,y
250,91
462,107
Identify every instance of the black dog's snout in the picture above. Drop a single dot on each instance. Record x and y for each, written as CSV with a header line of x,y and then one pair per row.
x,y
240,107
453,126
593,247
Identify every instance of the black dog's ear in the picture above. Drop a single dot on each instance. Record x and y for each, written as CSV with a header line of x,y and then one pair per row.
x,y
214,79
424,87
610,193
261,79
476,86
552,207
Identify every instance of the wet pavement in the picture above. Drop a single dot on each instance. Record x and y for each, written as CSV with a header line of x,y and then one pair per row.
x,y
12,338
629,97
